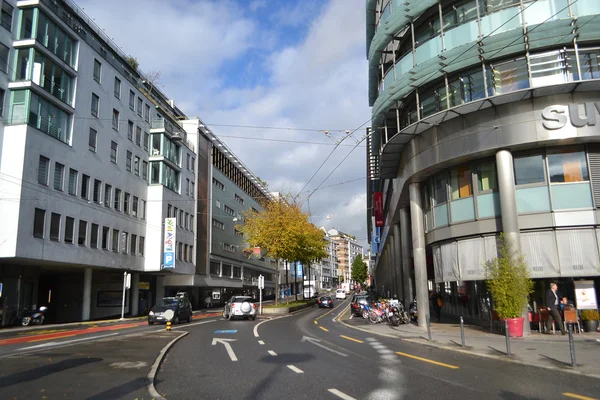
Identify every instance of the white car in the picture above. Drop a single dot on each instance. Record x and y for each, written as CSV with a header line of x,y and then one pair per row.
x,y
240,307
340,294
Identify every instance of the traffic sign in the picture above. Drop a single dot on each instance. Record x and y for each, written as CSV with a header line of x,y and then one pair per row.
x,y
261,282
0,289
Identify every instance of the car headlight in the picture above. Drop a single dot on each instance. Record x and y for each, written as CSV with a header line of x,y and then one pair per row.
x,y
151,313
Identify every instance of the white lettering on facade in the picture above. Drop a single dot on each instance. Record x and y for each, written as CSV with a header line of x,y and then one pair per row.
x,y
555,117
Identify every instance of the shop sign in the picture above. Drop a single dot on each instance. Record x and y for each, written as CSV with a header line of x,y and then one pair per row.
x,y
169,244
378,208
556,116
585,295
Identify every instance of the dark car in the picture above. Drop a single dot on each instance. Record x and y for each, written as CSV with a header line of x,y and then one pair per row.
x,y
325,302
357,300
180,306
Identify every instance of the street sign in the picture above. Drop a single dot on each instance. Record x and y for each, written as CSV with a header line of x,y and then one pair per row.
x,y
261,282
128,281
0,289
169,243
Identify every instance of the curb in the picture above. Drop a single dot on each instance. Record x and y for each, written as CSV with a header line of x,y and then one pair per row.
x,y
154,370
567,369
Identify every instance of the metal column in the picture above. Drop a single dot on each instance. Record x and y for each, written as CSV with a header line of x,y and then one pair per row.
x,y
418,245
398,263
87,294
134,292
406,256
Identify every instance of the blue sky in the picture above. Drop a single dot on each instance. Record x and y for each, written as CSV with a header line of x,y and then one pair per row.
x,y
297,64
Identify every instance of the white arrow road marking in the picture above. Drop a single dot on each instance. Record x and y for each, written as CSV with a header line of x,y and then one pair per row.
x,y
295,369
225,343
341,395
316,343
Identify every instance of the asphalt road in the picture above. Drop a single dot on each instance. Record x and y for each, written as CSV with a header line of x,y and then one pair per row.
x,y
309,355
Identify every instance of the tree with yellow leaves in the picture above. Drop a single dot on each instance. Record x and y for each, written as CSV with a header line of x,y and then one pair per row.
x,y
312,245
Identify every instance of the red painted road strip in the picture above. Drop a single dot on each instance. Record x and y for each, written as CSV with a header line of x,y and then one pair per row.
x,y
58,335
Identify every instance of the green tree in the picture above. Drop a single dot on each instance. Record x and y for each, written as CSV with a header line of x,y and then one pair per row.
x,y
508,280
359,270
312,245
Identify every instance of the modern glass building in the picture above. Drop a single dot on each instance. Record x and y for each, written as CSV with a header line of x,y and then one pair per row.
x,y
484,121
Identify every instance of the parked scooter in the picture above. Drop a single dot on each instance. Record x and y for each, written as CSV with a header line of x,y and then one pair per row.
x,y
414,314
32,317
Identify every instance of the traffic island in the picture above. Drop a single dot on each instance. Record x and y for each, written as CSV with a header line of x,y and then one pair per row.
x,y
283,308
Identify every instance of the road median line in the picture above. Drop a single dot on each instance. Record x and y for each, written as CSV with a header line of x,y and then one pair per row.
x,y
577,396
325,329
352,339
427,360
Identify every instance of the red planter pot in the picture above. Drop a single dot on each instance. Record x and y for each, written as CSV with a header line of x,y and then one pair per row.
x,y
515,327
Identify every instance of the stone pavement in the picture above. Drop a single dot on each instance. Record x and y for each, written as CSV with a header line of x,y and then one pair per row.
x,y
546,351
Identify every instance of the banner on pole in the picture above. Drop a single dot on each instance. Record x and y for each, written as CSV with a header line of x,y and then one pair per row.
x,y
169,244
378,208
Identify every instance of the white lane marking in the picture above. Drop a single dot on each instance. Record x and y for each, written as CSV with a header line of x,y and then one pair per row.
x,y
295,369
67,342
341,395
154,369
316,343
385,351
261,342
257,325
225,342
191,324
271,352
373,340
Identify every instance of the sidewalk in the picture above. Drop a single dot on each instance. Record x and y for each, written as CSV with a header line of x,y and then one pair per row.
x,y
545,351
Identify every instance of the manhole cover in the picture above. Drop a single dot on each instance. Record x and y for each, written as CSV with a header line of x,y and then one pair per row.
x,y
129,364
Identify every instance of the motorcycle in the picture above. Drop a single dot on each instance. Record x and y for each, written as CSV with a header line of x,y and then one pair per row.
x,y
414,314
32,317
397,314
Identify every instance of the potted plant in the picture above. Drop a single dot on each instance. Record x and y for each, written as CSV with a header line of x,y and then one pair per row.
x,y
509,283
590,320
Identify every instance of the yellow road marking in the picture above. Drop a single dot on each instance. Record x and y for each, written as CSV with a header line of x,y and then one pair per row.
x,y
332,310
354,340
427,360
50,338
316,323
577,396
325,329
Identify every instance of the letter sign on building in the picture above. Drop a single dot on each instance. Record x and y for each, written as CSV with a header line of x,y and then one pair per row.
x,y
556,117
378,208
169,244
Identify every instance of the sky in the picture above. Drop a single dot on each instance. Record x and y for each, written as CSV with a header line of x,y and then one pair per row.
x,y
296,65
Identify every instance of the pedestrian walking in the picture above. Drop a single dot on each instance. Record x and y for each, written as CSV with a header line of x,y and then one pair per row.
x,y
208,301
552,305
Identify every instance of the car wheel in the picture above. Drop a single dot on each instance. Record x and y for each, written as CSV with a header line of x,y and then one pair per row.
x,y
190,317
224,315
176,320
230,317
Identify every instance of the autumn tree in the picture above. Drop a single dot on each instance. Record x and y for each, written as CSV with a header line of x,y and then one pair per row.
x,y
312,244
276,230
359,270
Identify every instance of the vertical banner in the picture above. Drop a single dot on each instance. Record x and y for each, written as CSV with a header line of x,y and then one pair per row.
x,y
378,208
169,245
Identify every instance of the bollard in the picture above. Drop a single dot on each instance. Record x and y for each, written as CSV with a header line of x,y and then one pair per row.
x,y
571,345
168,326
462,331
507,338
428,322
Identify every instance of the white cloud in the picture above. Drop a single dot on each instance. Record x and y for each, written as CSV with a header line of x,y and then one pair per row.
x,y
226,65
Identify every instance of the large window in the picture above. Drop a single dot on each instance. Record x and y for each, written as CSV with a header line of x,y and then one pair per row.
x,y
39,218
439,189
28,107
54,38
165,175
486,177
6,15
529,169
568,167
461,183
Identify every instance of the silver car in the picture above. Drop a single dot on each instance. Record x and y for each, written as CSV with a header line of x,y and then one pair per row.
x,y
240,307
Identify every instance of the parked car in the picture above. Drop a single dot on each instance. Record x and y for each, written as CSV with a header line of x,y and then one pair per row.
x,y
340,294
356,301
240,306
181,307
325,302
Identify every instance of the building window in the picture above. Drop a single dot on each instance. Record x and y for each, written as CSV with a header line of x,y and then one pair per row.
x,y
131,99
43,170
113,151
59,171
7,14
229,248
218,224
238,233
215,268
217,204
128,161
73,174
85,181
117,200
107,195
180,218
97,70
132,244
145,170
461,183
39,218
187,188
123,244
2,102
126,203
96,191
239,199
191,222
486,177
237,272
95,105
82,233
134,206
439,189
54,226
105,233
568,167
94,236
228,210
147,113
146,140
130,130
69,225
138,135
136,166
143,209
193,161
115,120
192,190
141,245
93,139
4,55
218,184
188,161
169,210
529,170
140,104
115,241
117,88
180,251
